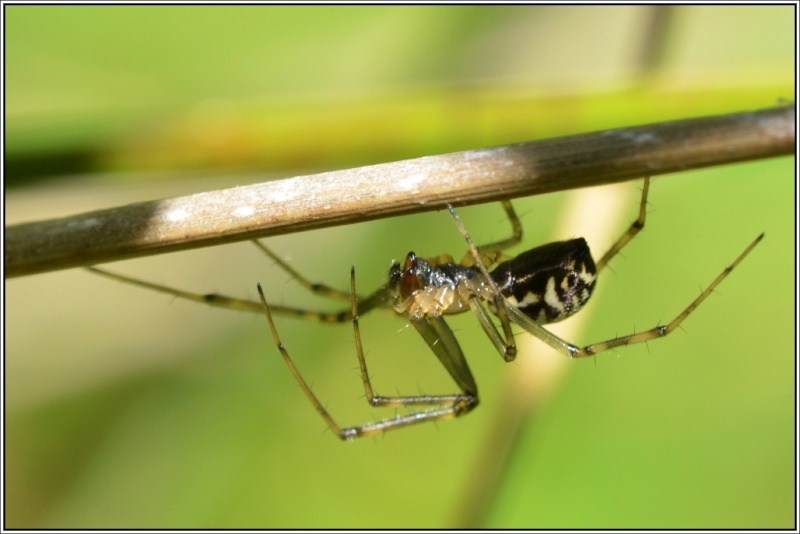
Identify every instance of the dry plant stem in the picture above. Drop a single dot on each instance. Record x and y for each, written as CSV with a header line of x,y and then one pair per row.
x,y
399,188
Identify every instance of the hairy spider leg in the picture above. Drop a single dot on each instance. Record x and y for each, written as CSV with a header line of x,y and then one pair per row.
x,y
314,287
374,300
485,256
635,227
441,340
575,351
505,311
492,253
504,343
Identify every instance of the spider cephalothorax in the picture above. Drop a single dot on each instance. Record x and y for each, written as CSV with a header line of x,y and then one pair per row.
x,y
425,287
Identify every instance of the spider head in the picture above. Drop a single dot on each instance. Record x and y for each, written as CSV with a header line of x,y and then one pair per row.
x,y
411,277
427,286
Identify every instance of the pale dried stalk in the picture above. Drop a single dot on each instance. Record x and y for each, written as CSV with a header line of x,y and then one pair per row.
x,y
399,188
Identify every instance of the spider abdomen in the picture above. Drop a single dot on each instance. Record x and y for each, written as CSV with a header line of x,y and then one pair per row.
x,y
550,282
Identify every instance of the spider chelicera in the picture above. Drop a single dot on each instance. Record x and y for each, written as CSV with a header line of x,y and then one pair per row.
x,y
543,285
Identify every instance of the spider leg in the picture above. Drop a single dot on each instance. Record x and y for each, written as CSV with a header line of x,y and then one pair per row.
x,y
504,342
635,227
489,328
491,253
575,351
516,230
375,300
212,299
441,340
314,287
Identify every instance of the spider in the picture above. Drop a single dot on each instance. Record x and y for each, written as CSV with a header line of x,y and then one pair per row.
x,y
543,285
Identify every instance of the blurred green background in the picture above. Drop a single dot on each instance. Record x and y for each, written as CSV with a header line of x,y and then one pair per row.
x,y
126,408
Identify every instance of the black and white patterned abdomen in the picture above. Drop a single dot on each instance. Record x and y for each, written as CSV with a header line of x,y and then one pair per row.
x,y
548,283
